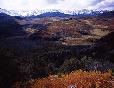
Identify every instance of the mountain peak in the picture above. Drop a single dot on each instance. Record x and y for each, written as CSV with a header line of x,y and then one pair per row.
x,y
48,11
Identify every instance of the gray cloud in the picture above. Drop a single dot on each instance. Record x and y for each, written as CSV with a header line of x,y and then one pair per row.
x,y
53,1
57,4
96,2
105,4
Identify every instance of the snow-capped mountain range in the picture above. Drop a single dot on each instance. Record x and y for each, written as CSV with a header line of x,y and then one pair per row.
x,y
38,12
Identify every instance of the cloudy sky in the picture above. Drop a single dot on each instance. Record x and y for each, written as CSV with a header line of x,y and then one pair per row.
x,y
56,4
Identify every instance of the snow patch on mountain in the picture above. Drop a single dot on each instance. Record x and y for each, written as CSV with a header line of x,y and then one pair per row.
x,y
38,12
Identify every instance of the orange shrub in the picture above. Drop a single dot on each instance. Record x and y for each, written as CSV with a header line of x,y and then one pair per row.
x,y
77,79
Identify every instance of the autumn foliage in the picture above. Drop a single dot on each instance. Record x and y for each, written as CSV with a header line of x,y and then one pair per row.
x,y
77,79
